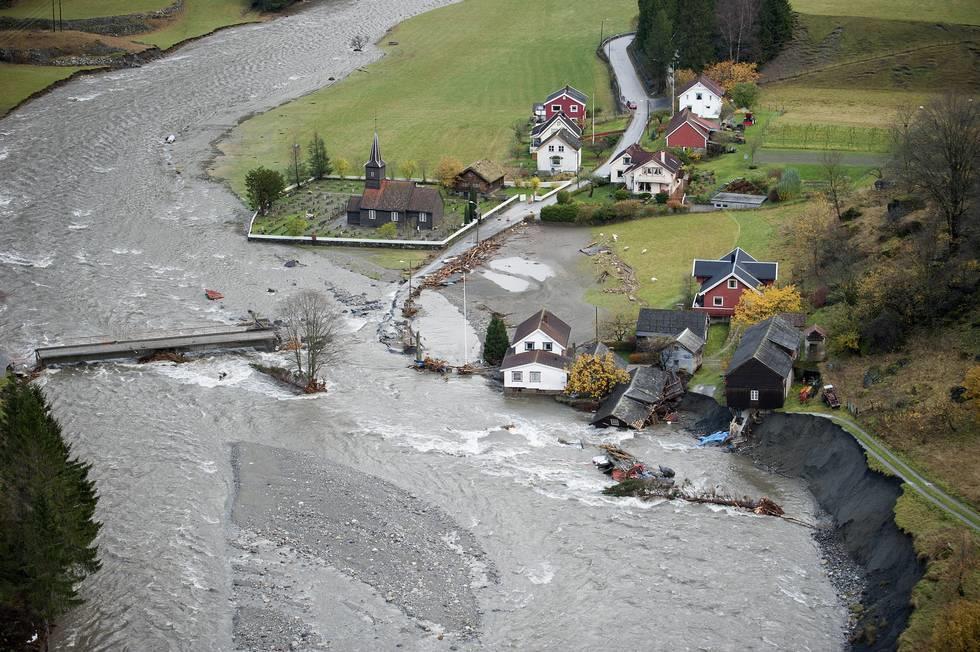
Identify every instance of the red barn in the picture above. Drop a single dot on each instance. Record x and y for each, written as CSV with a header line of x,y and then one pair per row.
x,y
569,101
689,131
724,280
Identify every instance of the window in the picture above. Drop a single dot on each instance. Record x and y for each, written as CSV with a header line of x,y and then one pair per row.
x,y
528,346
626,160
370,173
573,108
753,395
517,376
697,95
732,284
394,216
372,215
423,218
551,148
561,148
658,171
619,174
546,346
556,107
719,301
535,376
556,161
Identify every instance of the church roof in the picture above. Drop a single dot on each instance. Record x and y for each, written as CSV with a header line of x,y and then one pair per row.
x,y
375,160
401,196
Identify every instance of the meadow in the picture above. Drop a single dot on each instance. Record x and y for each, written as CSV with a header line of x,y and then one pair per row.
x,y
21,81
945,11
458,96
76,9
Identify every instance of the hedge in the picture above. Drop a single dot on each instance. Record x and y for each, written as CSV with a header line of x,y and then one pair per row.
x,y
559,213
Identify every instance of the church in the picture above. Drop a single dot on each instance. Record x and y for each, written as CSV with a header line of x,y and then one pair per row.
x,y
404,203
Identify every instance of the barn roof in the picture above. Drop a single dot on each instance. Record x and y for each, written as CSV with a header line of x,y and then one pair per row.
x,y
546,322
573,93
690,341
707,82
630,402
654,321
701,125
739,198
772,342
487,170
401,196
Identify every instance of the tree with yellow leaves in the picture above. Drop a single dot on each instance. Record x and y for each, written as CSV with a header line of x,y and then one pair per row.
x,y
730,73
595,376
770,301
447,170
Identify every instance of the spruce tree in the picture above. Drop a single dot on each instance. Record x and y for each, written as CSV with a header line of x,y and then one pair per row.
x,y
695,22
775,27
496,344
47,507
318,162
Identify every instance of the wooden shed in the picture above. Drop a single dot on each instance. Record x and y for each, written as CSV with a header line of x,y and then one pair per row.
x,y
814,344
484,176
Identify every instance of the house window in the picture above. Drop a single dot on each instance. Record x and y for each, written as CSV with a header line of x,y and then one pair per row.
x,y
719,301
517,376
753,395
658,171
546,346
561,148
372,215
394,216
528,346
556,107
732,284
620,174
626,160
551,148
535,376
423,218
556,161
573,108
697,95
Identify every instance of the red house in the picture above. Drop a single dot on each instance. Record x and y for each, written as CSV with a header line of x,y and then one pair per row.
x,y
568,101
689,131
724,280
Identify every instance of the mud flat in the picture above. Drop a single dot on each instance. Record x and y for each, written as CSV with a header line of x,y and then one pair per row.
x,y
318,542
859,500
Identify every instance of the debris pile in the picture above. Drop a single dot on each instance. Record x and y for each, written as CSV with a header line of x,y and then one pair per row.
x,y
469,259
621,466
163,356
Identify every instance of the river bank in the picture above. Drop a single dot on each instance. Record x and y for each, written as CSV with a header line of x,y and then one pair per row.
x,y
860,503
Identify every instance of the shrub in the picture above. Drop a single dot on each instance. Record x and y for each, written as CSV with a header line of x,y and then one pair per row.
x,y
883,334
387,231
627,209
818,297
621,194
790,186
958,629
563,197
296,225
850,214
774,173
774,194
559,213
661,197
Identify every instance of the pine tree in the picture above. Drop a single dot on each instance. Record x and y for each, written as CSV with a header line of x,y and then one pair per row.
x,y
775,27
695,21
47,507
496,343
318,162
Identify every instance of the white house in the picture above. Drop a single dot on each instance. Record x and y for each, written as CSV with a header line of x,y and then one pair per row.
x,y
661,172
536,360
702,96
545,130
683,352
560,152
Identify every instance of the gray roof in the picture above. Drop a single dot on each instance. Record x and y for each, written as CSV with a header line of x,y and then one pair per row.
x,y
690,341
572,92
566,136
631,402
772,342
739,198
598,348
537,356
565,120
738,262
653,322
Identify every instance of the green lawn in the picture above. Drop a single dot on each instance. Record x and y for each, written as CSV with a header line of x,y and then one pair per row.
x,y
944,11
456,95
75,9
21,81
717,336
200,17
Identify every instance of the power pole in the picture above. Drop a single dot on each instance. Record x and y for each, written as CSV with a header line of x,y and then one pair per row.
x,y
54,25
61,15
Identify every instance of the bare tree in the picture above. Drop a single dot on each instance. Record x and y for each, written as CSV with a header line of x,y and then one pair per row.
x,y
736,20
313,328
358,42
937,153
838,183
619,326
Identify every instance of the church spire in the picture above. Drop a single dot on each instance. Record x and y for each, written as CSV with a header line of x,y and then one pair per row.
x,y
374,169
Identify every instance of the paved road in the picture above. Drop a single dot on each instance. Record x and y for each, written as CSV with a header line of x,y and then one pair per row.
x,y
631,88
955,508
816,156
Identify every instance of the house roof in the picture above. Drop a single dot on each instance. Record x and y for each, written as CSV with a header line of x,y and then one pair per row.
x,y
636,153
538,356
573,93
772,342
703,126
690,341
794,319
739,198
487,170
546,322
566,136
631,402
598,349
401,196
814,330
654,321
569,124
738,263
354,204
707,82
662,158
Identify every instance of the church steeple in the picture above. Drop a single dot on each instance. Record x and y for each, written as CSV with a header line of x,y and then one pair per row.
x,y
374,169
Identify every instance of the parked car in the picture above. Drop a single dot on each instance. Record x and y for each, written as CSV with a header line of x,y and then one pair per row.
x,y
631,105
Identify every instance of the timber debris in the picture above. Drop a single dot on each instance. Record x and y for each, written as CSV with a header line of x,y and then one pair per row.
x,y
470,259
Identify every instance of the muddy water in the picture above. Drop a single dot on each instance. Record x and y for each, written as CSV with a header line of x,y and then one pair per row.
x,y
99,234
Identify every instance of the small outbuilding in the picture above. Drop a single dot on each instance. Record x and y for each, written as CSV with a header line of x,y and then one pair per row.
x,y
814,344
760,373
684,352
654,326
737,200
484,176
631,404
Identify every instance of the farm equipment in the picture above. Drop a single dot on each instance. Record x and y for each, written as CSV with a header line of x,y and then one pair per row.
x,y
830,396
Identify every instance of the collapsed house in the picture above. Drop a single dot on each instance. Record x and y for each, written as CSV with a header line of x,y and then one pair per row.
x,y
645,398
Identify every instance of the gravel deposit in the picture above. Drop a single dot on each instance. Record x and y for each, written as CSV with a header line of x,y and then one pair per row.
x,y
306,527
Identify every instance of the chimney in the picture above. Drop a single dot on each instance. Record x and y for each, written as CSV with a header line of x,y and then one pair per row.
x,y
663,156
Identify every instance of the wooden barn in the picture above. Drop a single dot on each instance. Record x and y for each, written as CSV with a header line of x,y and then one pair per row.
x,y
760,373
485,177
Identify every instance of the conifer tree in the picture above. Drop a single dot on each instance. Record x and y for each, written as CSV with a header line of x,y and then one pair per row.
x,y
496,343
775,27
318,162
47,507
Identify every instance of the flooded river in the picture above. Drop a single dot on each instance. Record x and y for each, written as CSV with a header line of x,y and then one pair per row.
x,y
101,235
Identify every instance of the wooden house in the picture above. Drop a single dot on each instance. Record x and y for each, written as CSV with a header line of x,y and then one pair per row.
x,y
544,130
567,100
631,404
485,177
561,152
814,344
760,373
702,97
537,359
724,280
690,132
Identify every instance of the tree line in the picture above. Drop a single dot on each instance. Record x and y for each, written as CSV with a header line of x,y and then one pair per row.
x,y
695,33
47,524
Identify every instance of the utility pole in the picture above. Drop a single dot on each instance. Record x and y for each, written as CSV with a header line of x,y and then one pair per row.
x,y
465,323
296,163
597,324
54,25
61,15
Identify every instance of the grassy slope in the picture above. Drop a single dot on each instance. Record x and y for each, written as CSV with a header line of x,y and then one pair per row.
x,y
480,76
21,81
75,9
943,11
200,17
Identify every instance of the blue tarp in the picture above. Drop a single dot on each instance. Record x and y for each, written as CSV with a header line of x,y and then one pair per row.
x,y
714,438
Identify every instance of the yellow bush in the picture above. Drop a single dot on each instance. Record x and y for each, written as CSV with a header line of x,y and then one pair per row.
x,y
770,301
595,376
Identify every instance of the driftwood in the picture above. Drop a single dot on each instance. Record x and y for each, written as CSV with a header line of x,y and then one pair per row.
x,y
163,356
649,489
469,259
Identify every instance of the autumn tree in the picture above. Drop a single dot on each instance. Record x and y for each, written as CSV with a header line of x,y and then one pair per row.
x,y
838,181
958,629
313,326
534,183
595,376
729,73
447,169
409,168
771,300
808,238
619,326
262,187
496,342
342,166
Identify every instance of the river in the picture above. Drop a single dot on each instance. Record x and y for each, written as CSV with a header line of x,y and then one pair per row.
x,y
102,235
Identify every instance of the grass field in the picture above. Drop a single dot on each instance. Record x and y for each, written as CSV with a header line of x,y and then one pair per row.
x,y
943,11
20,81
200,17
458,95
76,9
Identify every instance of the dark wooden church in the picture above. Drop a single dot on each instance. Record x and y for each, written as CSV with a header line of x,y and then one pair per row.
x,y
404,203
